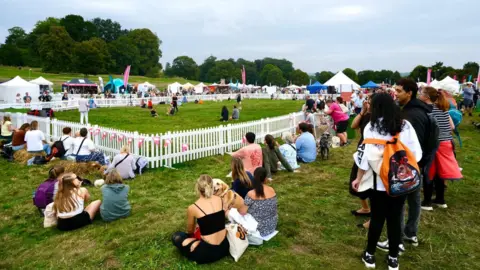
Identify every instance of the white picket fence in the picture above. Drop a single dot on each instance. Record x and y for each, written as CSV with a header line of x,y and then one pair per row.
x,y
165,150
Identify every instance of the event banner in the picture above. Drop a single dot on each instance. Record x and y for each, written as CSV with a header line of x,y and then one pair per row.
x,y
429,76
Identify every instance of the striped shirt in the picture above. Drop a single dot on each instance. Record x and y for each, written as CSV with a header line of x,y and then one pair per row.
x,y
443,121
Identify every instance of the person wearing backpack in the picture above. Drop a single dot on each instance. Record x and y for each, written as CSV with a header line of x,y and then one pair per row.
x,y
115,203
418,114
64,146
123,163
444,166
387,131
45,193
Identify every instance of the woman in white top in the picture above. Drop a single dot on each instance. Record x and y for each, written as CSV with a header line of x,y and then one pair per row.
x,y
289,151
385,122
84,149
124,163
69,204
68,142
35,140
7,129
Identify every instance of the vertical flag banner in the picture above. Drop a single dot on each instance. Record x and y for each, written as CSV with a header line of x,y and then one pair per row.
x,y
478,77
244,76
125,77
469,78
455,77
464,78
429,76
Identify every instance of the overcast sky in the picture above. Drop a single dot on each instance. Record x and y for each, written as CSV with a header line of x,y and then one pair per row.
x,y
315,35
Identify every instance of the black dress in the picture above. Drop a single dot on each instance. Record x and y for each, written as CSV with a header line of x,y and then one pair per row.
x,y
353,174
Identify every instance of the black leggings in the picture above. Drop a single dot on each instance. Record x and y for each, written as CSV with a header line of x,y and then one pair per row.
x,y
383,207
204,252
439,190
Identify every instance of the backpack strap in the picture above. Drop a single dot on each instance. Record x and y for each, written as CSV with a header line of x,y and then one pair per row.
x,y
122,160
65,138
293,147
81,146
375,141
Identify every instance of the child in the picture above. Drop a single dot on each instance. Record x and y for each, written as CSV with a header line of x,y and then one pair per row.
x,y
150,104
115,203
153,112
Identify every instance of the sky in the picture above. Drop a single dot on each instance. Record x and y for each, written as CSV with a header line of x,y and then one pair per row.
x,y
315,35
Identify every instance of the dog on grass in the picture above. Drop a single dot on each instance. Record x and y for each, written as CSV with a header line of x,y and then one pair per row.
x,y
325,143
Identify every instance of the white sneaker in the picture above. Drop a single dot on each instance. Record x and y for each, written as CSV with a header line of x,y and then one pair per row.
x,y
229,175
412,240
383,246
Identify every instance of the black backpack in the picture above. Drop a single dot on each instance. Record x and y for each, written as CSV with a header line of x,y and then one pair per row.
x,y
60,148
431,140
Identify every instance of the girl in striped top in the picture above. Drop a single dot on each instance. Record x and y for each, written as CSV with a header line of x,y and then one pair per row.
x,y
444,166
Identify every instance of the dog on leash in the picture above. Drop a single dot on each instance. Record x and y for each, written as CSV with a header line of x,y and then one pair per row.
x,y
325,142
229,197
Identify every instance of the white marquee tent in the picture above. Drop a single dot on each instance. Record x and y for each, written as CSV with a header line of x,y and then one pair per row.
x,y
199,88
174,87
17,85
450,84
188,86
293,86
342,83
42,81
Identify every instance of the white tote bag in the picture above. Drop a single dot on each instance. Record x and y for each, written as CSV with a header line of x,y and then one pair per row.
x,y
237,238
50,219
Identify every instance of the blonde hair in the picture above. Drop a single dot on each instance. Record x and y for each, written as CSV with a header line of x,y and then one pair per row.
x,y
113,177
204,186
65,201
238,172
7,118
125,149
287,137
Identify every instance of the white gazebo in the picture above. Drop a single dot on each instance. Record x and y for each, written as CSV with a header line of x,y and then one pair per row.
x,y
199,88
450,84
17,85
188,86
174,87
43,83
293,86
342,83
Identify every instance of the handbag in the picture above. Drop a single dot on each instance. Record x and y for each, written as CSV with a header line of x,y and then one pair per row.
x,y
39,160
50,219
237,238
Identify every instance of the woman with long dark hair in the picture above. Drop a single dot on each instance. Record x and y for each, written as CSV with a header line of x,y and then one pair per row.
x,y
444,166
243,180
224,114
272,156
262,203
385,123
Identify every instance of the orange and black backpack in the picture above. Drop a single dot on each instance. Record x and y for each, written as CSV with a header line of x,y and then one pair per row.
x,y
400,173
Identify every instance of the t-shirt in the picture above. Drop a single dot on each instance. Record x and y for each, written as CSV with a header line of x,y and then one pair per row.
x,y
443,121
5,131
87,147
239,188
468,93
68,144
358,102
337,114
34,139
18,138
310,103
251,156
83,105
306,147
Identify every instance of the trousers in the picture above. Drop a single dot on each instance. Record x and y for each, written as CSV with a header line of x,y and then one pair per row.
x,y
82,116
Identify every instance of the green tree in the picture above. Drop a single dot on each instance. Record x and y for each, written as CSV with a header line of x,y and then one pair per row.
x,y
470,68
55,50
205,67
168,70
419,73
223,69
148,45
250,70
40,28
124,52
10,55
185,67
275,77
107,30
365,76
323,76
91,56
17,37
283,64
264,74
75,26
299,77
351,74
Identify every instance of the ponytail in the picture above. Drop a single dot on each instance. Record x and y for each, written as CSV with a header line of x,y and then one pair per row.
x,y
260,175
442,102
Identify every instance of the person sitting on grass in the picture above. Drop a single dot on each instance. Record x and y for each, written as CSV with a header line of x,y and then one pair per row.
x,y
7,129
35,139
115,203
45,193
85,151
224,114
251,155
243,180
171,110
262,203
69,204
235,113
272,157
289,151
18,138
306,145
123,163
209,213
153,112
68,142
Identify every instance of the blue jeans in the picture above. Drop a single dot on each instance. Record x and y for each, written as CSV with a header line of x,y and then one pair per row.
x,y
414,208
18,147
46,148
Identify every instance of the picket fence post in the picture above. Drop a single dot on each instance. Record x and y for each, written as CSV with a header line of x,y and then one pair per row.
x,y
54,129
48,129
136,150
267,126
221,140
262,130
229,137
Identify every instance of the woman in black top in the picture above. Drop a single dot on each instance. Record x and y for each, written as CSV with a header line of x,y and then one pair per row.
x,y
224,114
174,102
209,213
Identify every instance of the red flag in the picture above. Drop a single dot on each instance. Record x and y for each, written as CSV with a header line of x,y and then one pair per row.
x,y
429,76
478,77
455,77
464,79
125,76
244,76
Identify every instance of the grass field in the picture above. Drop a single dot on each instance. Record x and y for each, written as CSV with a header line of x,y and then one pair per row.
x,y
316,228
7,73
190,116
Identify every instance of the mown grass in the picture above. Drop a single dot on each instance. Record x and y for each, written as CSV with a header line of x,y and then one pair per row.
x,y
7,73
190,116
316,228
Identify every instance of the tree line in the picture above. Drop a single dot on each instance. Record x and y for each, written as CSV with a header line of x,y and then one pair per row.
x,y
72,44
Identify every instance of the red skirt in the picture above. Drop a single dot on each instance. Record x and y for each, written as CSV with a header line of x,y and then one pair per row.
x,y
445,166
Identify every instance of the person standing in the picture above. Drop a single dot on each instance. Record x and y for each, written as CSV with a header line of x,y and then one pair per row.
x,y
358,102
339,118
83,108
310,103
27,98
175,102
239,101
468,98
